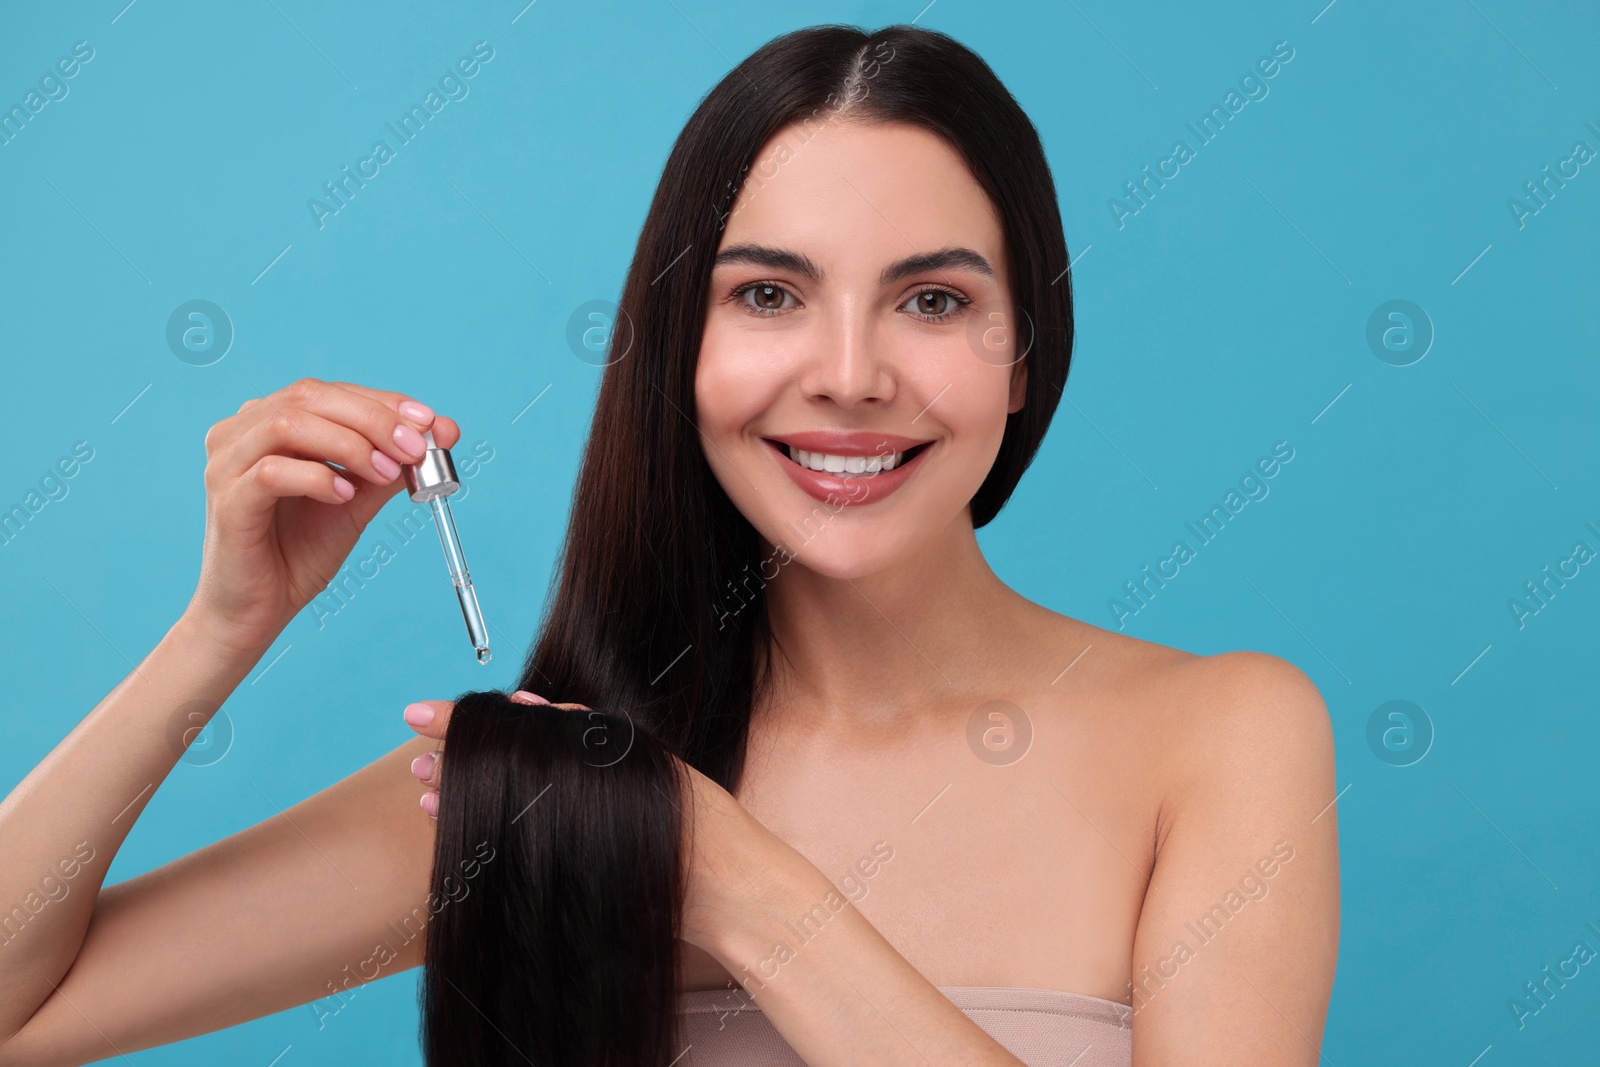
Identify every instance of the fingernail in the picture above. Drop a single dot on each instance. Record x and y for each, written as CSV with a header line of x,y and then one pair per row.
x,y
410,441
528,698
430,804
422,766
419,714
384,465
415,412
343,488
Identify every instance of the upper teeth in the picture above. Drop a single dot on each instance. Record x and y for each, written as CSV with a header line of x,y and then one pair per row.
x,y
823,461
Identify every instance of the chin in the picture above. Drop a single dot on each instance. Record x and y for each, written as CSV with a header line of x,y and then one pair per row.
x,y
847,550
844,561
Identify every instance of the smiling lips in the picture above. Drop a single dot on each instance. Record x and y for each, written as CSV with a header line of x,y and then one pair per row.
x,y
848,467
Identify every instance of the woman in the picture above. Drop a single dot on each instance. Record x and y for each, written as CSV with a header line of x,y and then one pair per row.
x,y
854,259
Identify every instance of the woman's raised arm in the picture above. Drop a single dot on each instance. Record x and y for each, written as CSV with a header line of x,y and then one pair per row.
x,y
265,918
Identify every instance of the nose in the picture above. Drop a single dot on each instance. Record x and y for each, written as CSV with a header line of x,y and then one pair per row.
x,y
848,364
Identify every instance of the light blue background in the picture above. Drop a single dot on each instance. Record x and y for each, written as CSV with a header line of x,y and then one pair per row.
x,y
1230,313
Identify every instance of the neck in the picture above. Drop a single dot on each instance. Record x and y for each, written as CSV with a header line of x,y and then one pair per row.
x,y
879,647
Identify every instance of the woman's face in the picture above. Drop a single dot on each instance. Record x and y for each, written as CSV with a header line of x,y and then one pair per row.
x,y
825,333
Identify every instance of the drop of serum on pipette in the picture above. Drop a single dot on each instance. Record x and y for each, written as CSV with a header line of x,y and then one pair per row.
x,y
483,655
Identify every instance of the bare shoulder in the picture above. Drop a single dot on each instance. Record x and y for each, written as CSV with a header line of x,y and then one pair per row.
x,y
1232,722
1123,678
1249,724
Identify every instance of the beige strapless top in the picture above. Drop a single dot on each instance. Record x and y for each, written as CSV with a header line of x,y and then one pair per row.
x,y
1041,1027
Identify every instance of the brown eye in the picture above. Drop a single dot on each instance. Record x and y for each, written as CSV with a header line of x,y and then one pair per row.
x,y
937,305
767,298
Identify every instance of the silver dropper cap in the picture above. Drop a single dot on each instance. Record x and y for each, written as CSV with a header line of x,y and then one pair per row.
x,y
433,476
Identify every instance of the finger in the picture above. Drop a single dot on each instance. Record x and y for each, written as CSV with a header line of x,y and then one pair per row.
x,y
392,426
430,718
361,408
223,432
273,477
308,435
446,432
426,768
522,696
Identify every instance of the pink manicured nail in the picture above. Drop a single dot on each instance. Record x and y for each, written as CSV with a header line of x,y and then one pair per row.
x,y
415,412
522,696
343,488
384,465
430,804
419,714
410,441
422,766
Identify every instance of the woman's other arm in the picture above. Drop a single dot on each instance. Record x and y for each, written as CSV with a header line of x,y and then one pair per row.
x,y
846,996
1239,935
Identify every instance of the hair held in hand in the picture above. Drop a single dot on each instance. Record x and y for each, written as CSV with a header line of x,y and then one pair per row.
x,y
564,950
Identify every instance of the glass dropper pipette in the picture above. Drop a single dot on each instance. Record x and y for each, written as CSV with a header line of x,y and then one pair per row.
x,y
430,480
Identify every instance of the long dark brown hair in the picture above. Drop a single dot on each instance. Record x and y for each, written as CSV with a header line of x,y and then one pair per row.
x,y
639,624
654,545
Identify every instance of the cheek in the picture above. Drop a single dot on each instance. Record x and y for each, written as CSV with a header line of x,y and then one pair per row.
x,y
972,412
713,400
729,389
969,399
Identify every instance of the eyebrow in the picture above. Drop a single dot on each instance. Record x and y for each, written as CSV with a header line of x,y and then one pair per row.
x,y
755,255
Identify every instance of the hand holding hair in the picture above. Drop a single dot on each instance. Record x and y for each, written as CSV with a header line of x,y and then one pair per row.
x,y
431,718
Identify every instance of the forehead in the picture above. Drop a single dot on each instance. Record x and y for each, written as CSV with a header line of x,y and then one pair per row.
x,y
848,193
